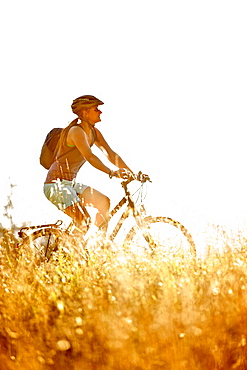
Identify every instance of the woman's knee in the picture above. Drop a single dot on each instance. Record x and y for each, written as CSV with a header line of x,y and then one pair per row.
x,y
74,211
92,197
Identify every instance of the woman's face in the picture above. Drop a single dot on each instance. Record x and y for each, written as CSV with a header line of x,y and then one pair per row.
x,y
93,115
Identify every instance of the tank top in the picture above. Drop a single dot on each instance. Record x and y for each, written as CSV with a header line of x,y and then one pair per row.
x,y
68,163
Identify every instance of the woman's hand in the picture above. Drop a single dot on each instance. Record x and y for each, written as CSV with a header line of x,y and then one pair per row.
x,y
122,173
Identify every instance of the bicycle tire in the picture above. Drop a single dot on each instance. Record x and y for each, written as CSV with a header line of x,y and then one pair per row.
x,y
41,243
170,237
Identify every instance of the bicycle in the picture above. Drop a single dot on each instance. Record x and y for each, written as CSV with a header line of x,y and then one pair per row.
x,y
155,233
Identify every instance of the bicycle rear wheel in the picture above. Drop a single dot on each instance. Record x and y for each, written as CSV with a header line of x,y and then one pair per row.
x,y
162,234
41,243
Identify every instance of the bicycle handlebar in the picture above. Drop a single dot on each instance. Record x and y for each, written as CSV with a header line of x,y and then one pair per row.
x,y
139,177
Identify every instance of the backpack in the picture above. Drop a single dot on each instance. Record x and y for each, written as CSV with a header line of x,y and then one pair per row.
x,y
49,148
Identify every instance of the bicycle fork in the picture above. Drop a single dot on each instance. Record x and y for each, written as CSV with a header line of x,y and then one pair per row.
x,y
139,215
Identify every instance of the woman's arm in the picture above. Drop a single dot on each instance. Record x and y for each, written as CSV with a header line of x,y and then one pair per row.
x,y
112,156
79,139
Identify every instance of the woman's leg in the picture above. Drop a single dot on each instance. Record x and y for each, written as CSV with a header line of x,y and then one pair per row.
x,y
101,202
93,198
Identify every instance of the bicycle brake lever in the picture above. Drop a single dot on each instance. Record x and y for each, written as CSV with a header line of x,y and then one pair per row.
x,y
146,178
142,177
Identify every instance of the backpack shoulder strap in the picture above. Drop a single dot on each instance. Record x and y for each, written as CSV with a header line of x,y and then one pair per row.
x,y
56,151
71,148
94,133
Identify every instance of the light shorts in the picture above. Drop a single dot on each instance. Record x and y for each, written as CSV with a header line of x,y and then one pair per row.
x,y
63,193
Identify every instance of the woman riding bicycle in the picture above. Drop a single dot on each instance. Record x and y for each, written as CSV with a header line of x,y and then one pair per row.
x,y
74,150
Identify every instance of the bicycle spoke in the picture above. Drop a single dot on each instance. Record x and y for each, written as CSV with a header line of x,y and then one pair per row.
x,y
162,235
41,244
45,245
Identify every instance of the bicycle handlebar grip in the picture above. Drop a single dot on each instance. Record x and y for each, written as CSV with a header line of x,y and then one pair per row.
x,y
142,177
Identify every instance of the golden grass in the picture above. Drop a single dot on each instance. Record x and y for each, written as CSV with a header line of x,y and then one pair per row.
x,y
123,311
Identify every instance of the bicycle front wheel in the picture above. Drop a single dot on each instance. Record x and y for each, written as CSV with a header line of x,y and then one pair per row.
x,y
162,234
41,244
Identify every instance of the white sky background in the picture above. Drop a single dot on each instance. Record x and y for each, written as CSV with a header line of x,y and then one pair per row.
x,y
173,78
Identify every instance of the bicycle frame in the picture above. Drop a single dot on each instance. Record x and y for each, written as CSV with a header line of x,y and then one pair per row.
x,y
142,222
131,208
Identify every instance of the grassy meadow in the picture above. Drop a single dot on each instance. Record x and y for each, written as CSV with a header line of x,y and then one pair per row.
x,y
123,310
